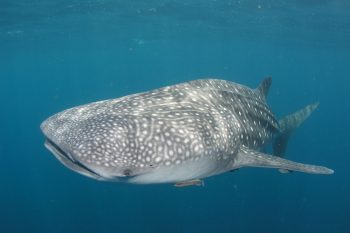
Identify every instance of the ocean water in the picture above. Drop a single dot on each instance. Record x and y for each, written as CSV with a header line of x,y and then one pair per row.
x,y
59,54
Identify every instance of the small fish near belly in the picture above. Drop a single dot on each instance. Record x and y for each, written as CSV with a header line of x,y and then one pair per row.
x,y
195,182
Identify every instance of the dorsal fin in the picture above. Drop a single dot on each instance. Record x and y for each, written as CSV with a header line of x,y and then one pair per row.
x,y
264,86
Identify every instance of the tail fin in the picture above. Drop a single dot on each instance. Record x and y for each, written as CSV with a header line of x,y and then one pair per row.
x,y
287,126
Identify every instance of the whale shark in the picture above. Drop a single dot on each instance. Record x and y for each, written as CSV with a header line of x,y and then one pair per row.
x,y
176,134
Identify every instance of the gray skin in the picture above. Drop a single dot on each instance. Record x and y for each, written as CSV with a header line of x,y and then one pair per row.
x,y
175,134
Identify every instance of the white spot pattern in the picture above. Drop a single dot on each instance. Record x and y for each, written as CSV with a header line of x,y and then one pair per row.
x,y
167,126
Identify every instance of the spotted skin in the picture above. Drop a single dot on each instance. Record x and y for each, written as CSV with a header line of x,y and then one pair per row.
x,y
172,134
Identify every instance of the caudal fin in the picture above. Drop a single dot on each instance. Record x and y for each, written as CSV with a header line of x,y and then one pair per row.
x,y
287,125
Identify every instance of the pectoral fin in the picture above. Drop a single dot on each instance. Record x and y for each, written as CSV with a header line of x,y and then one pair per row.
x,y
251,158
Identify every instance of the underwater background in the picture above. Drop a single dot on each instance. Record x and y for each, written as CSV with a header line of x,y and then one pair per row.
x,y
59,54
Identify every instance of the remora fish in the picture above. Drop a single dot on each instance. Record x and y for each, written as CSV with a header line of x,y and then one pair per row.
x,y
176,134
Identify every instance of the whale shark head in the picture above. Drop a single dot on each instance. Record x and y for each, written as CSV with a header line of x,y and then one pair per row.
x,y
97,144
101,141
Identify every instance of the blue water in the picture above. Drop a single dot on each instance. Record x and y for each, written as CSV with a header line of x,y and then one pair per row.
x,y
59,54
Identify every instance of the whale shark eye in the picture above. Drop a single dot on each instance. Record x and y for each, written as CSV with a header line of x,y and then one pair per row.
x,y
127,172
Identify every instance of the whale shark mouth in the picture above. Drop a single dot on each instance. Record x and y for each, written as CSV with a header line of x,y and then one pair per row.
x,y
67,160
